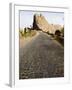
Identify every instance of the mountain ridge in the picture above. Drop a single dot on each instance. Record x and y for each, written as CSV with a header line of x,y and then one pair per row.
x,y
40,23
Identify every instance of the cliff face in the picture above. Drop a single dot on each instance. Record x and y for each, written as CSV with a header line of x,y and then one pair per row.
x,y
40,23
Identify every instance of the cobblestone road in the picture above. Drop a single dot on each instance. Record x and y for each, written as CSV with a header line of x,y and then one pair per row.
x,y
42,57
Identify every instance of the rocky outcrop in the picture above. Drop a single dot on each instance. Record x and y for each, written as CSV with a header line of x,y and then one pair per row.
x,y
40,23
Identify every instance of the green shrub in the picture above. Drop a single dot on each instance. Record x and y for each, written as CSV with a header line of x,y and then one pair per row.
x,y
57,33
62,31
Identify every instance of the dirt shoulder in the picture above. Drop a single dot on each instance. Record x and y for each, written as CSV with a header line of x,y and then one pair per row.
x,y
24,41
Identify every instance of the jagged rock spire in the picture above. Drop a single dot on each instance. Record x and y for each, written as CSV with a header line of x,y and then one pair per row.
x,y
40,23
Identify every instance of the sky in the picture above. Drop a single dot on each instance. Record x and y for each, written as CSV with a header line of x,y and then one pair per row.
x,y
26,18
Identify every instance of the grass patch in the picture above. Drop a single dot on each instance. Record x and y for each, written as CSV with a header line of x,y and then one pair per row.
x,y
29,33
60,40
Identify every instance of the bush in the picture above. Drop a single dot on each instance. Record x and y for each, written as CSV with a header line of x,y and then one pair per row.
x,y
62,31
24,30
57,32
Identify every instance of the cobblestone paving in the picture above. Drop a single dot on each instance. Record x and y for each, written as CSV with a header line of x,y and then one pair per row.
x,y
42,57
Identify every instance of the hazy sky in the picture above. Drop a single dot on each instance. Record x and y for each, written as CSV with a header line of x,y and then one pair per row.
x,y
26,18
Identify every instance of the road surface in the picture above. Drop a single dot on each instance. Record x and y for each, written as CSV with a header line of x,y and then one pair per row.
x,y
41,57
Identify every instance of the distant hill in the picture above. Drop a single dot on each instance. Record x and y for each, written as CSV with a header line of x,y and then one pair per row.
x,y
40,23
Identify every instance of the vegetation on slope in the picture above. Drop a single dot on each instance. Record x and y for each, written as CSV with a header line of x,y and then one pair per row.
x,y
27,32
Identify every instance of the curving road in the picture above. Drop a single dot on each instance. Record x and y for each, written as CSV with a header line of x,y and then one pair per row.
x,y
42,57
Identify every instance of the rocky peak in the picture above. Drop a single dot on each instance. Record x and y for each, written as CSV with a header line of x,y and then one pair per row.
x,y
40,23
